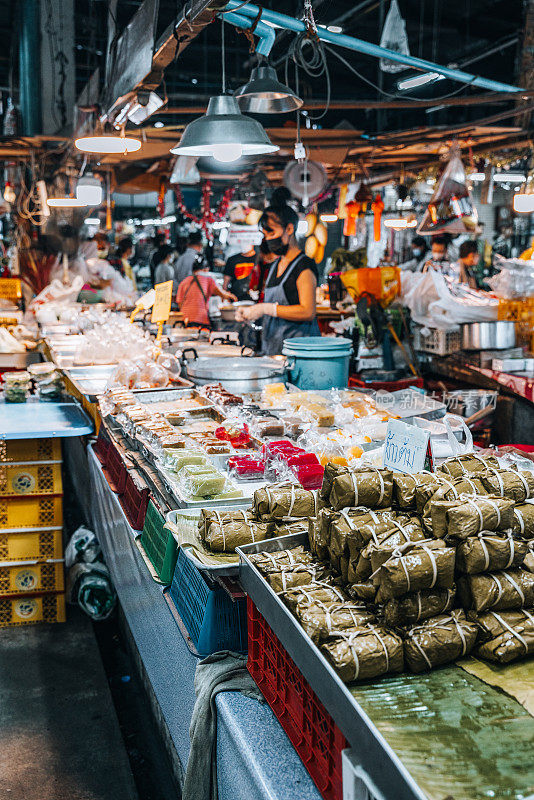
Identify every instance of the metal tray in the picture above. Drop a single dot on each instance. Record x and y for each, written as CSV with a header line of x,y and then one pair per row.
x,y
19,360
409,403
89,381
181,501
214,570
377,758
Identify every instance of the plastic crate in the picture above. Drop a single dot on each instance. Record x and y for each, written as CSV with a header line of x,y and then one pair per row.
x,y
10,288
17,450
310,728
36,543
30,478
134,501
29,609
438,342
159,544
116,471
31,512
101,448
388,386
212,619
31,576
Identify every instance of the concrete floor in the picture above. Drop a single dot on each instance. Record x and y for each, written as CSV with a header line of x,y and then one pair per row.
x,y
59,735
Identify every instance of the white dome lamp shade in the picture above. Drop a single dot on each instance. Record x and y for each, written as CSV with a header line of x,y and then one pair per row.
x,y
264,94
224,133
109,145
89,189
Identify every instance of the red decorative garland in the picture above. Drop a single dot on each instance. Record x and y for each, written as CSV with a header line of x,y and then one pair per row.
x,y
207,216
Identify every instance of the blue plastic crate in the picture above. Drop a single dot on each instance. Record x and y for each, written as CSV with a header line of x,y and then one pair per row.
x,y
212,619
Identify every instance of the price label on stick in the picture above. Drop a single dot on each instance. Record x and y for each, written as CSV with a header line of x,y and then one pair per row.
x,y
407,448
162,303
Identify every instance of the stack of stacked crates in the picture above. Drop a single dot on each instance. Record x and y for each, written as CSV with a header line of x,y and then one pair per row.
x,y
32,582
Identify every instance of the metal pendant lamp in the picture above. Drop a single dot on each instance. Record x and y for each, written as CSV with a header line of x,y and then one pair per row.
x,y
224,133
264,94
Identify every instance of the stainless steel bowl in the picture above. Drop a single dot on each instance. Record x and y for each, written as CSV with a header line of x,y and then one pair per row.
x,y
238,375
488,335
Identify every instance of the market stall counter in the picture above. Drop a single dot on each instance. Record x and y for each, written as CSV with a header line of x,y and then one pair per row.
x,y
254,756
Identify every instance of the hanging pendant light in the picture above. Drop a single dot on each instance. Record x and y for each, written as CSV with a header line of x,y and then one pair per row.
x,y
224,133
65,202
264,94
109,145
89,189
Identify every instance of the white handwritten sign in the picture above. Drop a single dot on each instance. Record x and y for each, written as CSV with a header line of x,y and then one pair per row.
x,y
406,447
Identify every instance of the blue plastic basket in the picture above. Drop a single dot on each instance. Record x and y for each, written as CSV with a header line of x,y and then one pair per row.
x,y
212,619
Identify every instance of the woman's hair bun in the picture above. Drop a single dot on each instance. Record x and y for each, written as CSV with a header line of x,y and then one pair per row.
x,y
280,197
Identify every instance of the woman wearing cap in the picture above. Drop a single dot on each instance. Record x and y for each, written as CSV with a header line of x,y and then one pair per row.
x,y
289,303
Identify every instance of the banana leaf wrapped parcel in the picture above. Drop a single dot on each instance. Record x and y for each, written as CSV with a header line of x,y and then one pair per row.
x,y
226,537
298,575
274,562
319,592
470,515
439,640
320,621
384,544
365,652
507,635
453,489
210,516
497,591
418,606
523,521
362,591
470,464
356,527
489,551
512,484
415,566
349,488
405,488
284,501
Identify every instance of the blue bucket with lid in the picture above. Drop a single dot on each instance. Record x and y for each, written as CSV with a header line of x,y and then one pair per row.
x,y
318,362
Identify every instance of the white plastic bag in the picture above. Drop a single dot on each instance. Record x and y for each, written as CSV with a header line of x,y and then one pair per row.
x,y
394,37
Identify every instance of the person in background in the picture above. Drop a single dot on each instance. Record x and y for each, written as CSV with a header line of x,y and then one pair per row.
x,y
157,243
194,293
418,247
258,276
289,309
102,244
193,252
237,273
163,268
121,260
462,271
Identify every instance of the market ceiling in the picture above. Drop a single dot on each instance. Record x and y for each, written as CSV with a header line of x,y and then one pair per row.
x,y
367,128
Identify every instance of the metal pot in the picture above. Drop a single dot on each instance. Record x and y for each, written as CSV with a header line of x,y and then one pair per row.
x,y
237,375
488,335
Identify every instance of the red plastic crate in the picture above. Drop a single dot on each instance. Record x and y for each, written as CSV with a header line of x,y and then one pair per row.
x,y
134,501
310,728
115,470
101,448
388,386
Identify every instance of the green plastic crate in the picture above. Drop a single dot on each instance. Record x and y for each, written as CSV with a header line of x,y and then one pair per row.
x,y
159,544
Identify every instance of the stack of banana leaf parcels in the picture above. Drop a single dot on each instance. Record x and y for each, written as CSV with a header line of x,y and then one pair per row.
x,y
408,571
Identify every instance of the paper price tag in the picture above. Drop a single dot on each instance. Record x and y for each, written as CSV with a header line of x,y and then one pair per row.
x,y
162,302
407,448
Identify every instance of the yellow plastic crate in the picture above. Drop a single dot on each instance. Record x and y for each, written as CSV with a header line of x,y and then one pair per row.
x,y
31,512
10,288
30,477
35,543
29,609
16,450
31,576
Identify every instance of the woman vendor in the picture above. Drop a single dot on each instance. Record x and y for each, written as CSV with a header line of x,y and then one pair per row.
x,y
288,309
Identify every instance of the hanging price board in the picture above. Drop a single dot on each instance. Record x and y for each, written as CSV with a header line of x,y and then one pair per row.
x,y
162,303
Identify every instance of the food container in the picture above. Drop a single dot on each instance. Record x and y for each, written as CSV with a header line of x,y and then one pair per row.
x,y
238,375
508,364
488,335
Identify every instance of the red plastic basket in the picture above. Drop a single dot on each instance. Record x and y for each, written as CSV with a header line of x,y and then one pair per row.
x,y
134,501
310,728
115,470
101,448
388,386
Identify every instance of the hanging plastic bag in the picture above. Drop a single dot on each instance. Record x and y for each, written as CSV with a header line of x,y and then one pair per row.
x,y
90,586
83,546
394,37
450,209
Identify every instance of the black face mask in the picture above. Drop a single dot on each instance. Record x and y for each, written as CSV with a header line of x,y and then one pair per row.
x,y
277,246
